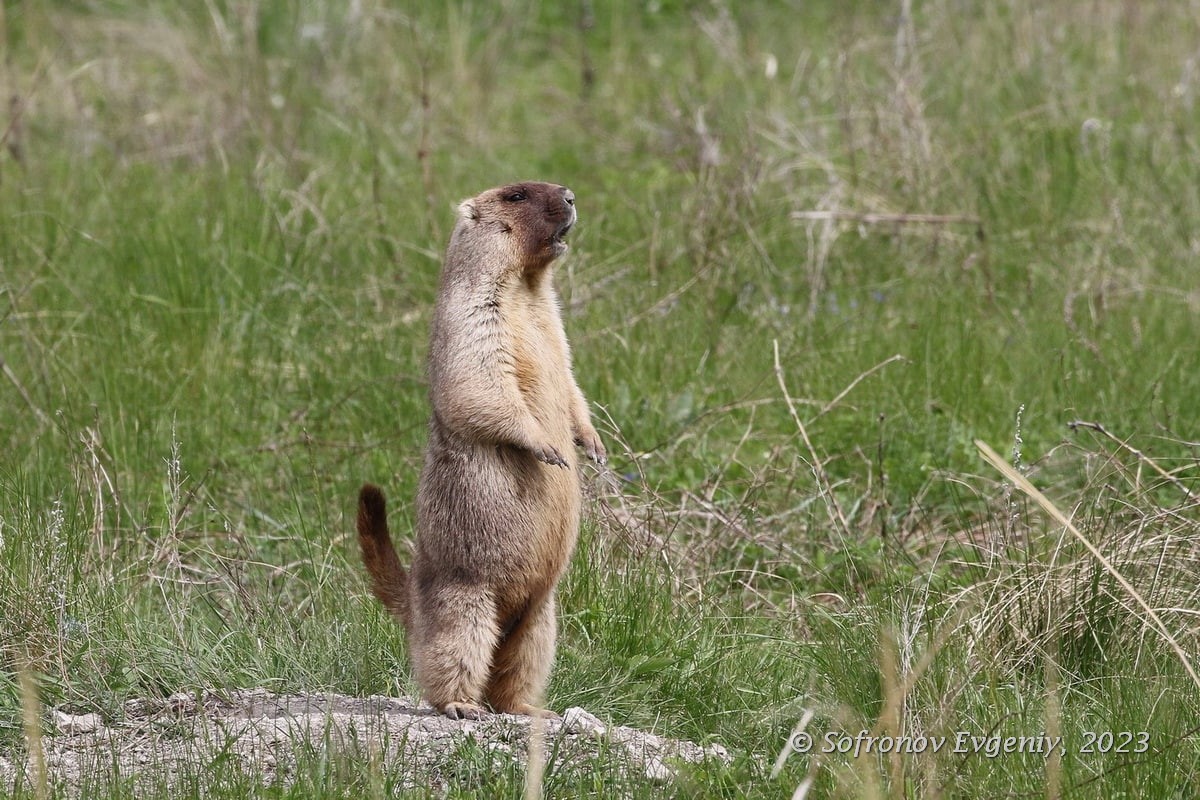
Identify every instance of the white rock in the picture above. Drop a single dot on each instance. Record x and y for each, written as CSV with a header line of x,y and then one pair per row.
x,y
71,724
577,720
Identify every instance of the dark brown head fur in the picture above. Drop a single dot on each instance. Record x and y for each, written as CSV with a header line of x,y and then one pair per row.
x,y
534,218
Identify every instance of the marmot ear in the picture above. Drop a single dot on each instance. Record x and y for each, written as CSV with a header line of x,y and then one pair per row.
x,y
467,211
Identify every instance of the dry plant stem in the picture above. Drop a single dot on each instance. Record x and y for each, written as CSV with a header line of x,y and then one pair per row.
x,y
814,762
11,137
376,777
1053,728
662,303
893,703
12,377
897,687
1100,429
895,219
536,760
587,72
1022,483
424,149
787,750
32,709
818,469
849,387
819,247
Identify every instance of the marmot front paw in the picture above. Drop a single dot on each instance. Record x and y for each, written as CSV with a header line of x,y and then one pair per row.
x,y
548,454
593,448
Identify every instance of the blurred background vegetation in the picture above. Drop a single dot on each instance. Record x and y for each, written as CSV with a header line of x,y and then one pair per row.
x,y
823,248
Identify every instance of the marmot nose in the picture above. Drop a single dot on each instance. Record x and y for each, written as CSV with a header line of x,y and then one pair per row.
x,y
569,196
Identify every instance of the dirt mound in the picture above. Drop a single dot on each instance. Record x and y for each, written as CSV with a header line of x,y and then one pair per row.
x,y
263,734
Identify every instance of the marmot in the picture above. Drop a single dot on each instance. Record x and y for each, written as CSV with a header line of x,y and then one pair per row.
x,y
499,497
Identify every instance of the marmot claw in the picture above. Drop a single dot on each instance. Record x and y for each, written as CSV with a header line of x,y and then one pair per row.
x,y
593,448
549,455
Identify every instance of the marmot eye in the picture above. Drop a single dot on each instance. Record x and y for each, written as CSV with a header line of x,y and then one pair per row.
x,y
515,197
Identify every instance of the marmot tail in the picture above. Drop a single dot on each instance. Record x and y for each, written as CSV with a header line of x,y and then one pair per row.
x,y
389,581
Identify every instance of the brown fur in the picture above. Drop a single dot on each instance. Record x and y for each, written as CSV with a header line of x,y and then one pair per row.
x,y
498,503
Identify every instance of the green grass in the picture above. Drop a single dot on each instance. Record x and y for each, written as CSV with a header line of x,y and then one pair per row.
x,y
220,231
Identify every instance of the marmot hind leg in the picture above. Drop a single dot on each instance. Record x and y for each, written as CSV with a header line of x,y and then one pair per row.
x,y
521,667
452,657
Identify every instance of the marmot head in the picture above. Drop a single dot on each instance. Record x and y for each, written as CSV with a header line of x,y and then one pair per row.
x,y
532,218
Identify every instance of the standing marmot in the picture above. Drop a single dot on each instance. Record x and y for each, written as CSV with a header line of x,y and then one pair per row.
x,y
498,504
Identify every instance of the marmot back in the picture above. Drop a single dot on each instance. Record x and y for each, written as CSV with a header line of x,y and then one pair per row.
x,y
499,497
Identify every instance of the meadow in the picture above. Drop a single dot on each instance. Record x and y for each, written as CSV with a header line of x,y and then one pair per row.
x,y
828,253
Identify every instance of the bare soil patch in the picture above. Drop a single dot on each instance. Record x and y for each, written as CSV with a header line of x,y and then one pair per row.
x,y
162,742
